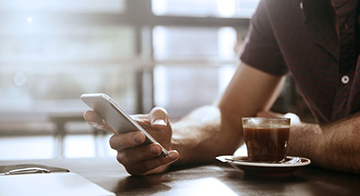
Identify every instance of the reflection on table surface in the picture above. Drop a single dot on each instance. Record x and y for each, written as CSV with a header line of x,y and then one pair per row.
x,y
207,179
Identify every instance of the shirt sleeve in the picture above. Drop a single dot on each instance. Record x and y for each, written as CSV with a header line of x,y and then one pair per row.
x,y
261,49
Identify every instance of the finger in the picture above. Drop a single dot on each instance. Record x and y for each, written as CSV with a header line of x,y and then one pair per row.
x,y
158,118
143,167
145,124
92,118
126,140
130,156
96,121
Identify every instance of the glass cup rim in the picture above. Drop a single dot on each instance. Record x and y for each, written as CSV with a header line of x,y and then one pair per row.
x,y
264,121
266,118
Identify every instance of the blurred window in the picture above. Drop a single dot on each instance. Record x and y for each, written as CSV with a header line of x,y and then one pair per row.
x,y
35,42
52,87
194,42
180,89
205,8
70,6
48,58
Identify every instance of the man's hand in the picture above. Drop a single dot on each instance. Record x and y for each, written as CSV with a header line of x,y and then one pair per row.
x,y
138,158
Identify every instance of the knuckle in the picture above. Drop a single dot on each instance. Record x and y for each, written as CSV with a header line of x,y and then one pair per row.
x,y
125,158
159,110
147,165
122,158
128,158
118,158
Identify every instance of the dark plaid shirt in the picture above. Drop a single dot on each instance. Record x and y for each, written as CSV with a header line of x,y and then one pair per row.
x,y
317,41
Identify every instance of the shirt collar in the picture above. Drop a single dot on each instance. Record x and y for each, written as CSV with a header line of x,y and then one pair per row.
x,y
322,23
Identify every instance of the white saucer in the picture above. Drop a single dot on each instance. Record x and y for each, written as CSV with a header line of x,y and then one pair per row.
x,y
265,169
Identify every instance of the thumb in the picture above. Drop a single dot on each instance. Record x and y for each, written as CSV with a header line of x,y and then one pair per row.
x,y
158,118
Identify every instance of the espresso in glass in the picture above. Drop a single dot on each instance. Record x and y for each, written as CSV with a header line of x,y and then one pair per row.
x,y
266,138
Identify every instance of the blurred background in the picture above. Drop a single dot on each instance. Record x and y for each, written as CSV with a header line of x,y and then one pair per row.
x,y
178,54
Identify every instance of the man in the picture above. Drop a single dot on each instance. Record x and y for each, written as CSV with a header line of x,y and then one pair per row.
x,y
317,41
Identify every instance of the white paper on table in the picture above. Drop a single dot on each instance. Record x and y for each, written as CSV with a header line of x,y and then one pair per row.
x,y
56,184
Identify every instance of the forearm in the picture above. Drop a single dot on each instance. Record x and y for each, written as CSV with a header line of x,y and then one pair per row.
x,y
333,146
216,130
204,134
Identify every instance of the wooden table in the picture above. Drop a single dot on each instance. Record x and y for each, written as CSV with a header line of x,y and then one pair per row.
x,y
210,179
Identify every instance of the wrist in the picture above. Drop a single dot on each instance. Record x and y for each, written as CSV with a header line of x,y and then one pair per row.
x,y
307,140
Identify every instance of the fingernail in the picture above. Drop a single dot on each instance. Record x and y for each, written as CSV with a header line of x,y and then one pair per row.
x,y
172,155
155,149
137,138
160,122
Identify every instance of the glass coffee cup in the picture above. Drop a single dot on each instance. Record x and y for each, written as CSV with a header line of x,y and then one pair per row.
x,y
266,139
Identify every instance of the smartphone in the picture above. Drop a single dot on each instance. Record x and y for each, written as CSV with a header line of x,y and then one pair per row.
x,y
115,116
